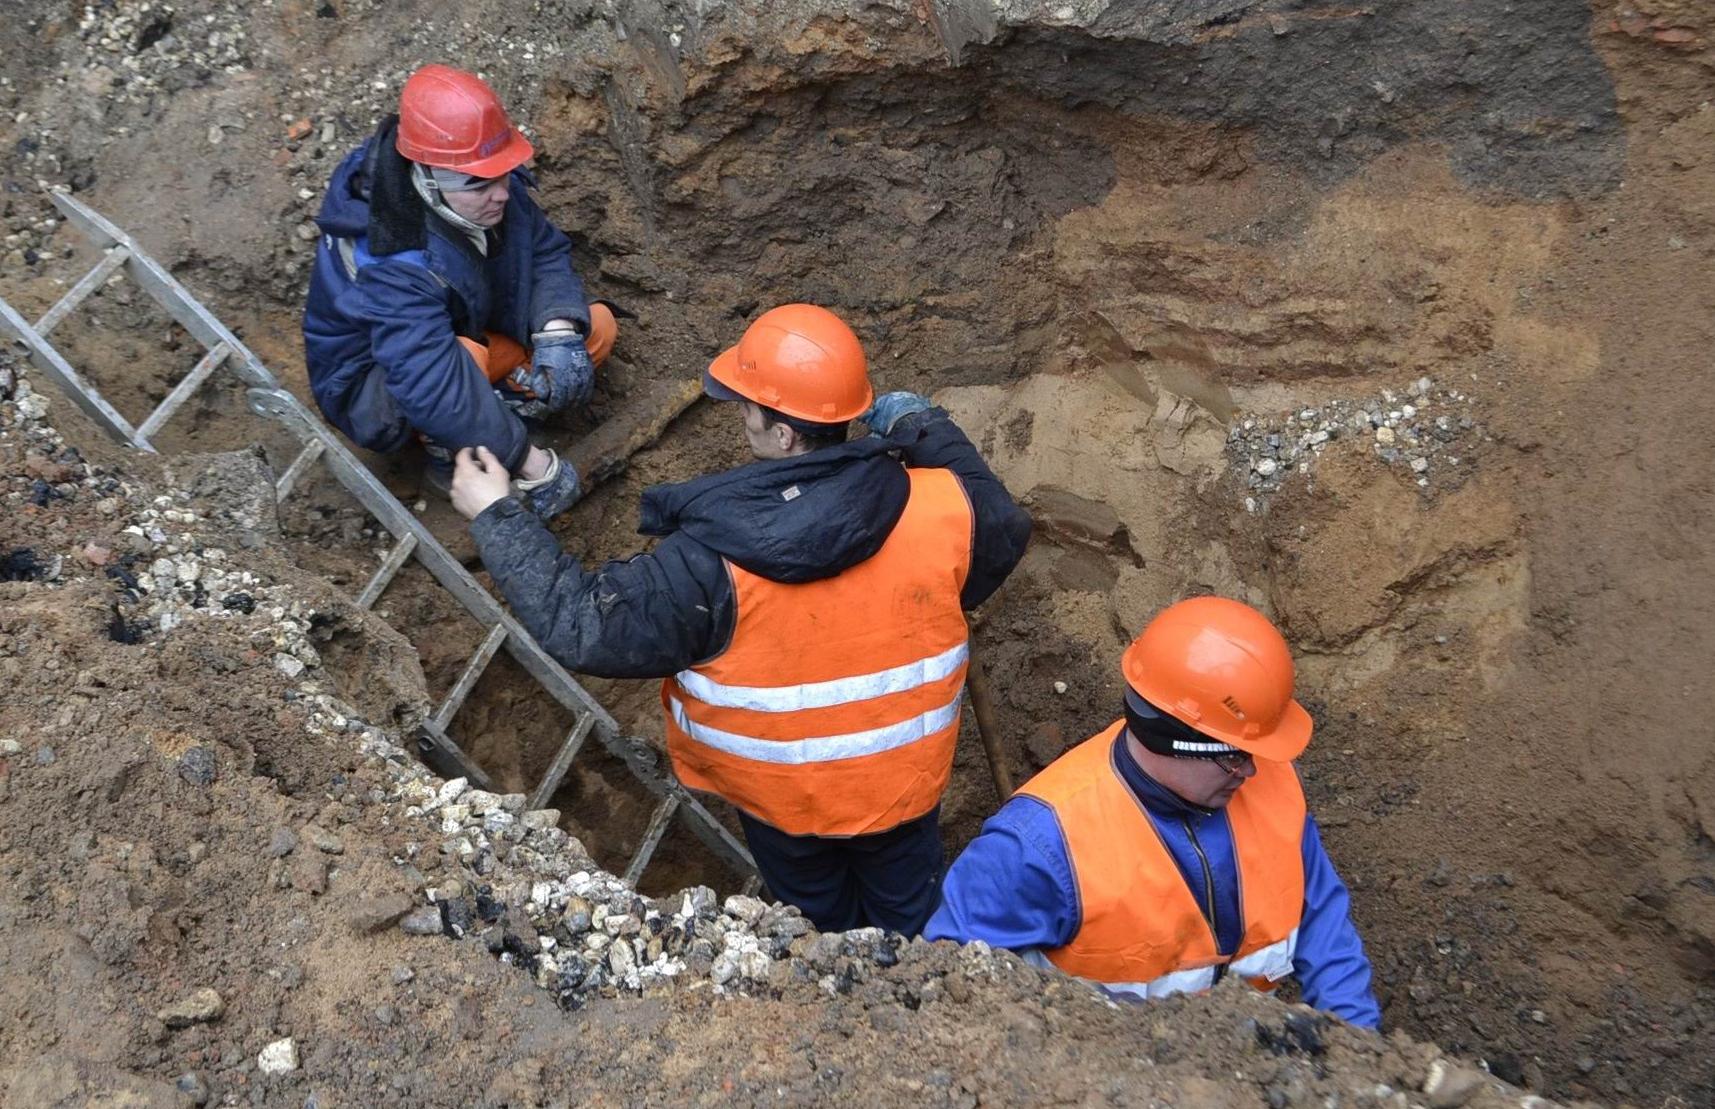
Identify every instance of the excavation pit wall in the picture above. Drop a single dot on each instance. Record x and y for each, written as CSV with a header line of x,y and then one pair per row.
x,y
1145,260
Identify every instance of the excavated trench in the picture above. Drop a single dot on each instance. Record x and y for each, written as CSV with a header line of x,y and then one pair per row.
x,y
1146,254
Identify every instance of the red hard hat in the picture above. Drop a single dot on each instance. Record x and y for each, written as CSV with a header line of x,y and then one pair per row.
x,y
797,359
452,119
1221,667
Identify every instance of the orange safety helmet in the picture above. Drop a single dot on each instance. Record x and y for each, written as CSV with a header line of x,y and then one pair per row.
x,y
452,119
799,360
1222,668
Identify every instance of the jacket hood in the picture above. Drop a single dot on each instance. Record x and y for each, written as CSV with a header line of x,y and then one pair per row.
x,y
345,208
790,520
371,194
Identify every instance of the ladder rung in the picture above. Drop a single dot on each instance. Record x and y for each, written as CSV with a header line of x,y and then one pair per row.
x,y
437,736
472,671
658,822
384,574
306,458
82,394
562,763
183,390
86,285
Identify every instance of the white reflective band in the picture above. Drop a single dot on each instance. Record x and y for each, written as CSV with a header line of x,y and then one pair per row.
x,y
1273,963
828,748
1193,745
821,695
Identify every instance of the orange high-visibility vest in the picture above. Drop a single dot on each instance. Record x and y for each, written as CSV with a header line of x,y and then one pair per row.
x,y
1141,931
835,708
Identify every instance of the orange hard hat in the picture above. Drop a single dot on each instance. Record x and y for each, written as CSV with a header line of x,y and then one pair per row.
x,y
452,119
1220,667
799,360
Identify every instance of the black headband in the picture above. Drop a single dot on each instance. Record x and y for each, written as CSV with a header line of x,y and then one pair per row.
x,y
1167,735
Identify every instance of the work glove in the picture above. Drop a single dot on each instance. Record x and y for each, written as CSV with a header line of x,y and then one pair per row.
x,y
555,491
560,373
889,408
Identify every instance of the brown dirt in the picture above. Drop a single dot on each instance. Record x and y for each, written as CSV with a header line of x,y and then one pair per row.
x,y
1096,275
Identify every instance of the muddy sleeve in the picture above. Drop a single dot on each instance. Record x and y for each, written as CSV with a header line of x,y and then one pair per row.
x,y
433,379
645,617
1330,962
557,291
1012,887
1002,529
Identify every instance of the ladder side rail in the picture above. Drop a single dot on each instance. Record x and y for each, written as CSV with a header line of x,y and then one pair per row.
x,y
395,517
165,289
714,835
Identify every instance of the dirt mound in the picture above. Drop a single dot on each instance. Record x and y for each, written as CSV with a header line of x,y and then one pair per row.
x,y
1146,253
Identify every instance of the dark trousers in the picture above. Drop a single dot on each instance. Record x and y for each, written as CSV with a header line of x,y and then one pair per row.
x,y
890,880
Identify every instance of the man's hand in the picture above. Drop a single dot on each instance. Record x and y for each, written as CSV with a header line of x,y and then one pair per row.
x,y
890,408
478,481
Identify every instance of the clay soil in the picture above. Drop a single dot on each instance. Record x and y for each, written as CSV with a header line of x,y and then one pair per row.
x,y
1101,275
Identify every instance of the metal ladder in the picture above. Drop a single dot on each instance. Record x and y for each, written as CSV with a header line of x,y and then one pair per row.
x,y
268,399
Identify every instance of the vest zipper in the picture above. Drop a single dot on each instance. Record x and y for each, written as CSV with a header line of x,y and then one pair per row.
x,y
1208,892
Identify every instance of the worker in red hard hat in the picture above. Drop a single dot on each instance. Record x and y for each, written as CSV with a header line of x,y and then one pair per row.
x,y
1174,847
806,612
443,307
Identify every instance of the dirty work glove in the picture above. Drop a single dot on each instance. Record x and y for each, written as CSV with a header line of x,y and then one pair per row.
x,y
889,408
560,371
552,493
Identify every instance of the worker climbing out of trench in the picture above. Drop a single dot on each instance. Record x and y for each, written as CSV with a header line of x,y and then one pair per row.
x,y
1174,846
443,308
805,611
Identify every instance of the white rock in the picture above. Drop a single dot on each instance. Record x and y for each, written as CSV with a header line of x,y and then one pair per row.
x,y
1385,436
279,1057
288,665
452,791
481,801
1266,467
1061,687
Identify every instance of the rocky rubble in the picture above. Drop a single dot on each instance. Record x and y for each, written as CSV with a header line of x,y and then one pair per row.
x,y
1426,430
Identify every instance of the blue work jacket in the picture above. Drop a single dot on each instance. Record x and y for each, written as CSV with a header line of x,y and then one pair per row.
x,y
1013,887
394,288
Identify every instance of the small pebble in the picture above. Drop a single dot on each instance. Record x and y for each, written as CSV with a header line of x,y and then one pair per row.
x,y
279,1057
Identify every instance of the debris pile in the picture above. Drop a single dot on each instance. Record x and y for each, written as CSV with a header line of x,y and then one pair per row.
x,y
1426,431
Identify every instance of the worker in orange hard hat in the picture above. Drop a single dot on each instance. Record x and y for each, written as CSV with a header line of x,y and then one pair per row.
x,y
805,611
443,307
1173,847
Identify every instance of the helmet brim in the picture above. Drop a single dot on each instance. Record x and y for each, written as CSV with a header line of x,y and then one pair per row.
x,y
514,153
1291,735
718,379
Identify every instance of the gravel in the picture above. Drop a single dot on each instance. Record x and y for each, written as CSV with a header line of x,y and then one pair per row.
x,y
1424,430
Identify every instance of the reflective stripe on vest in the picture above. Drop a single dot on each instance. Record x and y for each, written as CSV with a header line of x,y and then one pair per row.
x,y
1268,965
835,708
1140,929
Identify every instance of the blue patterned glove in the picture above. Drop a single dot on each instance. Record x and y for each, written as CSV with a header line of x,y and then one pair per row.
x,y
555,491
889,408
560,371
